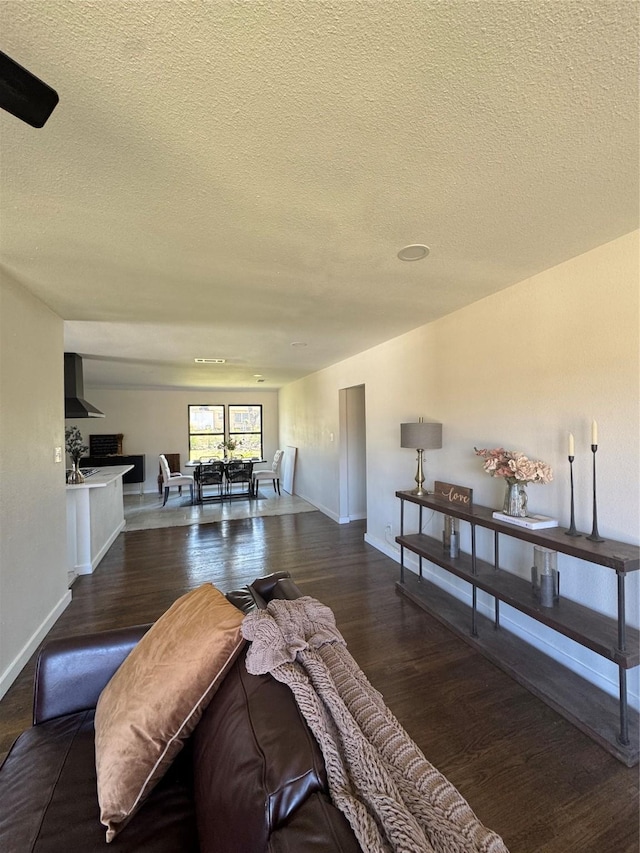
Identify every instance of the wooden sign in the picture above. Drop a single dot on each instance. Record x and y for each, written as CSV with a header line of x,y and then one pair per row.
x,y
453,494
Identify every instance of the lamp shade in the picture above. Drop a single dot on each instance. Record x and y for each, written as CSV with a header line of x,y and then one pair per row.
x,y
421,436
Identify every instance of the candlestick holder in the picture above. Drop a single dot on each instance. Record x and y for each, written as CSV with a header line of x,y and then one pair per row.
x,y
572,526
594,535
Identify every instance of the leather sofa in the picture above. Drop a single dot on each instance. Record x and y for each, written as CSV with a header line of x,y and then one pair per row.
x,y
250,779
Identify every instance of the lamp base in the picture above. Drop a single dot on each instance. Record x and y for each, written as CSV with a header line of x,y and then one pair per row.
x,y
419,491
419,478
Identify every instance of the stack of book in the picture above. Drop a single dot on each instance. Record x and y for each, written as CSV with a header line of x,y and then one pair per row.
x,y
531,522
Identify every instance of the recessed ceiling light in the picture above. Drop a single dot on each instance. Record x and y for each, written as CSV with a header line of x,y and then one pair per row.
x,y
298,344
257,375
414,252
210,360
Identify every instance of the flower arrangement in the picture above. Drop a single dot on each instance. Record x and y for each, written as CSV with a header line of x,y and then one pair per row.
x,y
514,467
75,446
229,444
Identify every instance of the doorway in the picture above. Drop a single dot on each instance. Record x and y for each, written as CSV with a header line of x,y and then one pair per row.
x,y
353,454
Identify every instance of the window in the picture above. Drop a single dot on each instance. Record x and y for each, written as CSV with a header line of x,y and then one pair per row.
x,y
245,427
206,432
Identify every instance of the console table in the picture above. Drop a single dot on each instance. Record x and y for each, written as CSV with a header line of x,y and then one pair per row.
x,y
609,721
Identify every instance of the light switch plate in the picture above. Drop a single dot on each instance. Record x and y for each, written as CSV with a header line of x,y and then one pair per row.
x,y
57,454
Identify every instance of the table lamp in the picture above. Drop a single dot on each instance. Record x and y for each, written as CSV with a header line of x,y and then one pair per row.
x,y
421,436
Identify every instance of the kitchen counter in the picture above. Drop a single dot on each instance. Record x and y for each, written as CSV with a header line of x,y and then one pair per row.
x,y
95,517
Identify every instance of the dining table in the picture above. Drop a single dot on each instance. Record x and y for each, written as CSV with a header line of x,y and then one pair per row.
x,y
195,464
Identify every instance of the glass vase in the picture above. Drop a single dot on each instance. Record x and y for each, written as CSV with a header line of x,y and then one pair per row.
x,y
75,475
515,500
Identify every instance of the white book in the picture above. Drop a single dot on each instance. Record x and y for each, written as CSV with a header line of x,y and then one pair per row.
x,y
531,522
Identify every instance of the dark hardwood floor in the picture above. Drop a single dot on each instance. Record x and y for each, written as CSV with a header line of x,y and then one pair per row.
x,y
527,773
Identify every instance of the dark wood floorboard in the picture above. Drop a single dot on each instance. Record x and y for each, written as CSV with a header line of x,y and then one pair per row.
x,y
527,773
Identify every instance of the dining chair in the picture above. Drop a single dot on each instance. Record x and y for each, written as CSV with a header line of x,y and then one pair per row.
x,y
173,479
272,473
209,474
238,471
174,466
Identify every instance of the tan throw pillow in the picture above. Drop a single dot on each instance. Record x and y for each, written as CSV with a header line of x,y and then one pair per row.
x,y
157,696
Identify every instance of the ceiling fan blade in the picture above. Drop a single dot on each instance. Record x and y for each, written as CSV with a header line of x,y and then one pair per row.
x,y
24,95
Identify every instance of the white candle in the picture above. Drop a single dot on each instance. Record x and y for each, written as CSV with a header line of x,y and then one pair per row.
x,y
594,432
571,448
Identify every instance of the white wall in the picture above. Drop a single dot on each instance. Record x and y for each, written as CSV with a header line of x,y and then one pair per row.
x,y
154,422
519,369
33,545
355,443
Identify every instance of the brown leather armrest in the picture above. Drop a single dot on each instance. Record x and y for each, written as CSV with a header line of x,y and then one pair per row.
x,y
262,590
317,826
263,587
72,672
286,588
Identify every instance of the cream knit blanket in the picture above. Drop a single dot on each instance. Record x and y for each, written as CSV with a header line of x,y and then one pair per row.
x,y
394,799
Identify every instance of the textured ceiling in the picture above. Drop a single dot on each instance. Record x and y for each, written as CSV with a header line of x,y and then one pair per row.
x,y
221,179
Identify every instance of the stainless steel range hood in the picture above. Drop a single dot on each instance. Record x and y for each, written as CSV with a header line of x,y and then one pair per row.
x,y
75,406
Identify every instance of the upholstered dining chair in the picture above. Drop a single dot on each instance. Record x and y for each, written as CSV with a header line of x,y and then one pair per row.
x,y
175,479
272,473
174,466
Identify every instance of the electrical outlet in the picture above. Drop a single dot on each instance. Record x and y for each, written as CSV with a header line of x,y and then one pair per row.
x,y
57,454
389,538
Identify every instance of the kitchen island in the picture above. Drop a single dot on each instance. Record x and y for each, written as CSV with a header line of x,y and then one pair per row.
x,y
95,517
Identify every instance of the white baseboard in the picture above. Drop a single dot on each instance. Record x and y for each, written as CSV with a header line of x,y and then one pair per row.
x,y
17,665
324,509
339,519
89,568
108,544
386,547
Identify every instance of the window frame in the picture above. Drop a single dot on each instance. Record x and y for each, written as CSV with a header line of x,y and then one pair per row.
x,y
218,437
259,433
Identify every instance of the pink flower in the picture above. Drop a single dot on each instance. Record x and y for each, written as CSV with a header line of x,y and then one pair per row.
x,y
514,466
